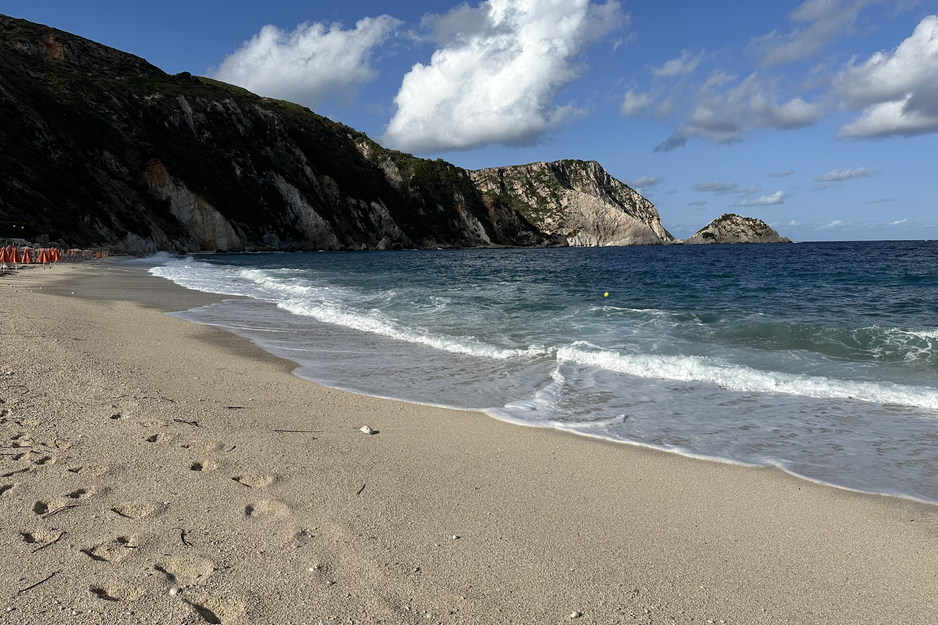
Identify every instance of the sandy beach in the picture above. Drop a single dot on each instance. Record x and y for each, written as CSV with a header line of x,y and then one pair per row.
x,y
158,471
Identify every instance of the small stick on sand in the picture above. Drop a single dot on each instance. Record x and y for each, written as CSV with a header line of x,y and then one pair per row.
x,y
12,473
47,515
193,423
19,592
50,544
182,537
298,432
361,489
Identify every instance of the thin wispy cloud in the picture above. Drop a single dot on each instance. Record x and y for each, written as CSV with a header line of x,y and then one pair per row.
x,y
766,200
684,64
698,203
896,223
645,183
841,175
884,200
724,111
782,174
720,187
818,23
497,73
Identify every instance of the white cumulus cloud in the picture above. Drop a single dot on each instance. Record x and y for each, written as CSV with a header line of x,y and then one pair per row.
x,y
310,64
897,89
497,73
897,222
766,200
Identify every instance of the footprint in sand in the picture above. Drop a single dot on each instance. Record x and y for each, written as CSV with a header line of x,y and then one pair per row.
x,y
57,444
267,509
254,480
186,571
4,488
113,550
21,441
203,465
158,438
116,592
44,460
49,506
216,610
41,536
82,493
91,470
137,510
205,447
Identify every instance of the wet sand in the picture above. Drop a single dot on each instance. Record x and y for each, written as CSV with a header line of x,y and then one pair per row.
x,y
158,471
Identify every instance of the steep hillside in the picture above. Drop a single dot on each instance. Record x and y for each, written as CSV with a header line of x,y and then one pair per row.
x,y
98,147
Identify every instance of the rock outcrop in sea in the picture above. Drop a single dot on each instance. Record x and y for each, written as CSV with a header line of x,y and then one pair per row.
x,y
730,228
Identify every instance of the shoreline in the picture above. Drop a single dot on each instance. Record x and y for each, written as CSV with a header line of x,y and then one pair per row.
x,y
548,523
494,412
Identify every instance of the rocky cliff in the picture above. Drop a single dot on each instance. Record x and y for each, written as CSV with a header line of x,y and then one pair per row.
x,y
729,228
574,200
98,147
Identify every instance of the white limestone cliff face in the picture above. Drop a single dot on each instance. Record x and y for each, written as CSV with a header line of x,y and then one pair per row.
x,y
577,200
209,228
730,228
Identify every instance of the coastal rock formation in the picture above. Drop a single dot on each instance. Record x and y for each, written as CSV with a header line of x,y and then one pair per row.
x,y
100,148
576,200
730,228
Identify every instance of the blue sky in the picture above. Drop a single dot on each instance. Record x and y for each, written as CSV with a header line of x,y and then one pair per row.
x,y
820,117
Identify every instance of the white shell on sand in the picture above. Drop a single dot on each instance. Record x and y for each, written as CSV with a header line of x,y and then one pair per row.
x,y
367,430
576,614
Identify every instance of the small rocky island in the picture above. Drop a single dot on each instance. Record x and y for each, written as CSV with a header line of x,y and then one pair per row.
x,y
730,228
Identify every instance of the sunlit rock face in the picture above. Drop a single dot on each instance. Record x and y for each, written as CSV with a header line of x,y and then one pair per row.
x,y
576,201
730,228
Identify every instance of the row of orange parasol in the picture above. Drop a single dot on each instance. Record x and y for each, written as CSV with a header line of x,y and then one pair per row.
x,y
10,254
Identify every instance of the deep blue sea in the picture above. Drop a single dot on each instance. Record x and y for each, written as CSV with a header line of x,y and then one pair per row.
x,y
820,358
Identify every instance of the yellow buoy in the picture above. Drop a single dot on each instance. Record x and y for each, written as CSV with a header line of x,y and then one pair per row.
x,y
606,294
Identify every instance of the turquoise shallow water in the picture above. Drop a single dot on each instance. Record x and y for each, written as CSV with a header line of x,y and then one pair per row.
x,y
821,358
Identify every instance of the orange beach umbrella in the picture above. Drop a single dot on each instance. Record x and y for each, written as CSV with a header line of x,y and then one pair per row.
x,y
26,258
